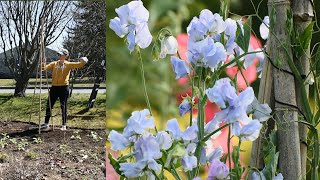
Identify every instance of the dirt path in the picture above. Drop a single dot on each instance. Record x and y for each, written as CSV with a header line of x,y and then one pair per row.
x,y
71,154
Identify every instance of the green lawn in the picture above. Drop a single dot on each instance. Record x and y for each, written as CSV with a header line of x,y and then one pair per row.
x,y
85,82
20,109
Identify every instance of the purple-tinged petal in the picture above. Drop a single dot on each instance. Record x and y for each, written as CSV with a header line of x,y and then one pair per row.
x,y
184,107
117,27
180,67
218,170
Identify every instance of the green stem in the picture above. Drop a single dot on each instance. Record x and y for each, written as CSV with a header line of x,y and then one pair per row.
x,y
240,69
174,172
207,137
144,84
229,155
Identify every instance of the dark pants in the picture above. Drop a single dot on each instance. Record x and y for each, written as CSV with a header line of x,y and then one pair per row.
x,y
61,92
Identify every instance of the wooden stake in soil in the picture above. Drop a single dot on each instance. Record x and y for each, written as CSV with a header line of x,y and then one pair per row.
x,y
284,91
302,17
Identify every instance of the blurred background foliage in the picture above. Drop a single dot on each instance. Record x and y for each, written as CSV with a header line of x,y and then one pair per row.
x,y
124,85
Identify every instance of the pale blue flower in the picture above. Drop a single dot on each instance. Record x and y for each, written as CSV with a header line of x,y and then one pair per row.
x,y
174,129
180,67
147,150
132,21
191,133
138,122
131,170
260,112
218,170
264,28
213,22
221,93
278,177
208,24
184,107
250,131
188,160
118,141
206,53
258,176
229,36
217,153
236,112
196,30
169,45
260,57
164,140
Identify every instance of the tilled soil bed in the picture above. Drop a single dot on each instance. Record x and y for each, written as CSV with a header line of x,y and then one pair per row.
x,y
54,154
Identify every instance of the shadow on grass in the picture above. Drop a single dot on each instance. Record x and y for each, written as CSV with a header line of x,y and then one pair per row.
x,y
5,98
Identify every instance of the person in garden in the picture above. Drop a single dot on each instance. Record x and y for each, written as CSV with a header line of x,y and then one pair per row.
x,y
60,84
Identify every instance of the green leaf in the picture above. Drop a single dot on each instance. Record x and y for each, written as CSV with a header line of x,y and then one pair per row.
x,y
177,151
305,37
317,63
115,164
243,39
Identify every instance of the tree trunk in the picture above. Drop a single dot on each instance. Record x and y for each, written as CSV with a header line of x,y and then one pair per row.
x,y
284,91
21,86
302,14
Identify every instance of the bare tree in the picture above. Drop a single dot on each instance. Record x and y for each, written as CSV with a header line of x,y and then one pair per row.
x,y
20,34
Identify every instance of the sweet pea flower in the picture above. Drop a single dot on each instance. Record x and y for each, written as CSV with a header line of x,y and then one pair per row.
x,y
260,176
180,67
260,112
118,141
164,140
278,177
218,170
131,170
250,131
189,161
236,112
196,30
221,92
230,32
174,129
169,45
206,53
138,122
184,107
213,22
147,150
191,133
264,28
132,21
217,153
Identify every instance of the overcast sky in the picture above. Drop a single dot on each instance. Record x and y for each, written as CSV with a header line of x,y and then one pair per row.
x,y
58,43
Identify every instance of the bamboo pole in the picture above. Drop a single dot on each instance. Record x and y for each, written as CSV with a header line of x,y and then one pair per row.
x,y
284,91
302,17
265,96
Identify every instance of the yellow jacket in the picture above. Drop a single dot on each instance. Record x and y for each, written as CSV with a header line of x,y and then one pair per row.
x,y
61,71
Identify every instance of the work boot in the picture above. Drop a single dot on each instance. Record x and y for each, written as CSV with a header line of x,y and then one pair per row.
x,y
44,126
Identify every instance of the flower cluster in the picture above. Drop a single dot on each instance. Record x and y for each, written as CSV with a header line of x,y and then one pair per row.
x,y
212,42
235,108
132,21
